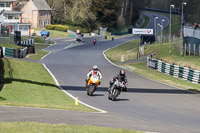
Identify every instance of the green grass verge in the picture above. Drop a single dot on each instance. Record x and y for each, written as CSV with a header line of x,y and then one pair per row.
x,y
109,37
125,52
29,84
33,127
10,46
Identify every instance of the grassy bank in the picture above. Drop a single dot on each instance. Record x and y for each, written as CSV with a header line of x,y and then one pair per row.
x,y
162,52
125,52
32,127
29,84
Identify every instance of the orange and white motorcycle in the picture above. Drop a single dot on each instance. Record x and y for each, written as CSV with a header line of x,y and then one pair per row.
x,y
93,83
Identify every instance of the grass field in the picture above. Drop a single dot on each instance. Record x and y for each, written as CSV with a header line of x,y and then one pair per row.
x,y
125,52
33,127
29,84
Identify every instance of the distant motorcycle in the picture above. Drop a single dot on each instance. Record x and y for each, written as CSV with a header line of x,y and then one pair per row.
x,y
115,90
93,83
113,38
94,41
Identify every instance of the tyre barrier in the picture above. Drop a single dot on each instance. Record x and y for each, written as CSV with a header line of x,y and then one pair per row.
x,y
27,42
17,53
184,73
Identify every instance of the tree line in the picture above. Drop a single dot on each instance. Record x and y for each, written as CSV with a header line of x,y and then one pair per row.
x,y
95,13
112,13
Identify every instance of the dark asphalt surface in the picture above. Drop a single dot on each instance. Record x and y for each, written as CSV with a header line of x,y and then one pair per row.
x,y
147,106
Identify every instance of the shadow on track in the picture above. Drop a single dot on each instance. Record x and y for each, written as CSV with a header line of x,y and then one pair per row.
x,y
132,90
97,95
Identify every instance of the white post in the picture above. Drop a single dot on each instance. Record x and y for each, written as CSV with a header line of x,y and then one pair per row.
x,y
181,44
0,28
161,31
170,24
155,26
162,28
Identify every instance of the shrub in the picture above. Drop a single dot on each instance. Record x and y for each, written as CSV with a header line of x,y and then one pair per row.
x,y
50,27
38,40
61,28
82,30
70,27
57,27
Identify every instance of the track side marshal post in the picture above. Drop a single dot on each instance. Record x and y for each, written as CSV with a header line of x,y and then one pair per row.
x,y
146,36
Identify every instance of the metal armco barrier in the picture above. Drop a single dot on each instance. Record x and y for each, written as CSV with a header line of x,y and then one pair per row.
x,y
184,73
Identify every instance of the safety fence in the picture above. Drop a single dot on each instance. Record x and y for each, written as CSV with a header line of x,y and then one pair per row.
x,y
191,32
184,73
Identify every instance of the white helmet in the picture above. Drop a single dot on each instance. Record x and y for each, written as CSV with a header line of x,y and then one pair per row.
x,y
95,68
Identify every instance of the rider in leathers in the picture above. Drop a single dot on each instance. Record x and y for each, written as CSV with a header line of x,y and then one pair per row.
x,y
121,77
94,71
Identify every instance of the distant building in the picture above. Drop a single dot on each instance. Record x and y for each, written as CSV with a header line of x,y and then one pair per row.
x,y
37,12
12,19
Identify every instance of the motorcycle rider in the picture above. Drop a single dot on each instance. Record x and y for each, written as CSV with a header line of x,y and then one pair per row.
x,y
94,41
121,77
94,71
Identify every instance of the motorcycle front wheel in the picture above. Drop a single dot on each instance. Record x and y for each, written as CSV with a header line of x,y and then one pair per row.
x,y
115,93
90,90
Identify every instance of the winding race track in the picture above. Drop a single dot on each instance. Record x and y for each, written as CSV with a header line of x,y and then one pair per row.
x,y
147,106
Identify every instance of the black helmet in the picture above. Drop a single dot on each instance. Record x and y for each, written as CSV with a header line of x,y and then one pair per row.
x,y
122,73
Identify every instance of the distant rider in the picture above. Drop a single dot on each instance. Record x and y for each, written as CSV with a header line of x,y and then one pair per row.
x,y
94,71
121,77
94,41
113,38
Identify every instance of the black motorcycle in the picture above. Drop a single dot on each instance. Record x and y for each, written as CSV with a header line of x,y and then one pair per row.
x,y
115,90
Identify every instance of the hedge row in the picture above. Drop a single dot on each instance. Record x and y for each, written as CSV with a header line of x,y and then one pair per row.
x,y
65,27
57,27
